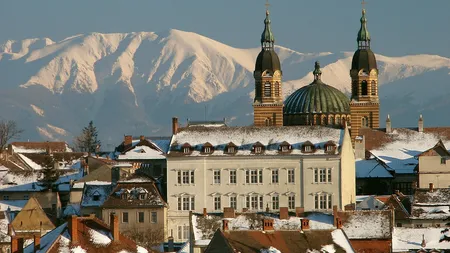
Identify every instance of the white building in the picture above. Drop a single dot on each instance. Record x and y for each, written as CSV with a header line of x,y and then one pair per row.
x,y
257,168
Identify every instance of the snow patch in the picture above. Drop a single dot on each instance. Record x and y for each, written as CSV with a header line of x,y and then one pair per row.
x,y
270,250
37,110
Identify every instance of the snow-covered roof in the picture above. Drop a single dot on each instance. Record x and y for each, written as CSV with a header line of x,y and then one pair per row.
x,y
72,209
135,194
13,205
142,153
405,239
205,226
431,205
95,195
372,168
370,203
400,148
366,224
20,182
245,137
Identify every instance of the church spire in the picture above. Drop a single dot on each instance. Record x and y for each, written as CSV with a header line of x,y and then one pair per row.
x,y
317,72
363,34
267,38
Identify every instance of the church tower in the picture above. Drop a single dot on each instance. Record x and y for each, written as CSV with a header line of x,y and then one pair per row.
x,y
364,104
268,102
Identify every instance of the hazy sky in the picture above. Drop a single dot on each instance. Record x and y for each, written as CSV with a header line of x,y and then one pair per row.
x,y
398,27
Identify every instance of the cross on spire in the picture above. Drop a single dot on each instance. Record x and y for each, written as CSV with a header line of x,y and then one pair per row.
x,y
267,5
363,3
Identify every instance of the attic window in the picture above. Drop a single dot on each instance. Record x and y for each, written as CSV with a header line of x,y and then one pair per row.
x,y
124,196
258,150
308,148
186,150
330,148
230,150
142,196
96,198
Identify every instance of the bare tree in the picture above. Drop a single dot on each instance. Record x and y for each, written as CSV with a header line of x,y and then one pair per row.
x,y
148,237
8,131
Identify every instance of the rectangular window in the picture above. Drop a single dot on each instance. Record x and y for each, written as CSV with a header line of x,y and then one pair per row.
x,y
233,202
261,203
180,232
254,176
267,89
275,202
153,217
217,177
185,177
254,202
322,175
329,175
329,148
26,197
247,202
186,150
207,150
329,200
185,232
284,148
217,203
291,202
291,176
275,176
323,201
230,150
316,175
258,150
233,177
140,217
186,203
124,217
307,148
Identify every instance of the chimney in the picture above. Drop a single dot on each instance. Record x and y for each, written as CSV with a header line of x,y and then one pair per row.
x,y
142,137
388,125
114,226
228,212
174,125
424,243
431,187
284,213
420,129
205,213
73,228
299,211
37,242
305,224
225,225
170,244
360,147
127,140
268,225
14,244
335,211
338,223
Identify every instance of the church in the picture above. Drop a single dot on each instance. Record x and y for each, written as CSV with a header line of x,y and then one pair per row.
x,y
317,103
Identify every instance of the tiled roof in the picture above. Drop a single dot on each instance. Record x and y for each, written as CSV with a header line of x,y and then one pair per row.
x,y
128,194
283,241
406,239
431,205
366,224
246,137
156,143
95,195
31,218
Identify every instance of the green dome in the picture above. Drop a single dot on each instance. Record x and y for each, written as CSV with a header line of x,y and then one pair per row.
x,y
317,97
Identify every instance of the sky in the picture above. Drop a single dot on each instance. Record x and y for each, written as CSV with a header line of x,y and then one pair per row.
x,y
397,27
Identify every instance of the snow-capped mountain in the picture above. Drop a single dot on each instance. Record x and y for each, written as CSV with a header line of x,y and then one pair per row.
x,y
133,83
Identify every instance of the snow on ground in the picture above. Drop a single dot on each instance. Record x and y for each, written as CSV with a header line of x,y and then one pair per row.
x,y
340,239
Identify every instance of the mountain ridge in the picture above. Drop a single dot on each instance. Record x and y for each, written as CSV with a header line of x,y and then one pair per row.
x,y
133,83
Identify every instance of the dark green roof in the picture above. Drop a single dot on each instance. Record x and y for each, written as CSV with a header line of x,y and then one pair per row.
x,y
267,60
267,35
364,59
363,34
317,97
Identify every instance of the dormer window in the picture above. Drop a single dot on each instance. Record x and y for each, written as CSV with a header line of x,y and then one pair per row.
x,y
96,196
207,150
124,195
258,150
230,150
142,196
329,148
308,149
285,147
186,150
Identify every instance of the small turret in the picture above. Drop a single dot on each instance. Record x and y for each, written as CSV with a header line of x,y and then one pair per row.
x,y
363,34
388,125
317,72
420,125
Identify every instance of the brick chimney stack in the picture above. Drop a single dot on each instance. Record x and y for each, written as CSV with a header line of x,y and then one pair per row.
x,y
305,224
284,213
127,140
142,137
299,211
73,228
431,187
205,212
268,225
14,244
338,223
174,125
37,242
114,226
228,212
225,225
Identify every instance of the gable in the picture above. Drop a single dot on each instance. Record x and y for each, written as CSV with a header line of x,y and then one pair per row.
x,y
31,217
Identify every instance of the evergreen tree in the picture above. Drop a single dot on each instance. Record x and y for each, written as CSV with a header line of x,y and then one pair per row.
x,y
88,140
49,174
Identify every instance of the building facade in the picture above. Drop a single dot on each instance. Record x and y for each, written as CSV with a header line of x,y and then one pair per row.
x,y
255,169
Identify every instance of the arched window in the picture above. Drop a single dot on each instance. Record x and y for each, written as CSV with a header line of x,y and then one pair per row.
x,y
318,120
268,121
365,122
373,88
267,89
331,120
338,120
277,89
354,88
364,88
324,120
